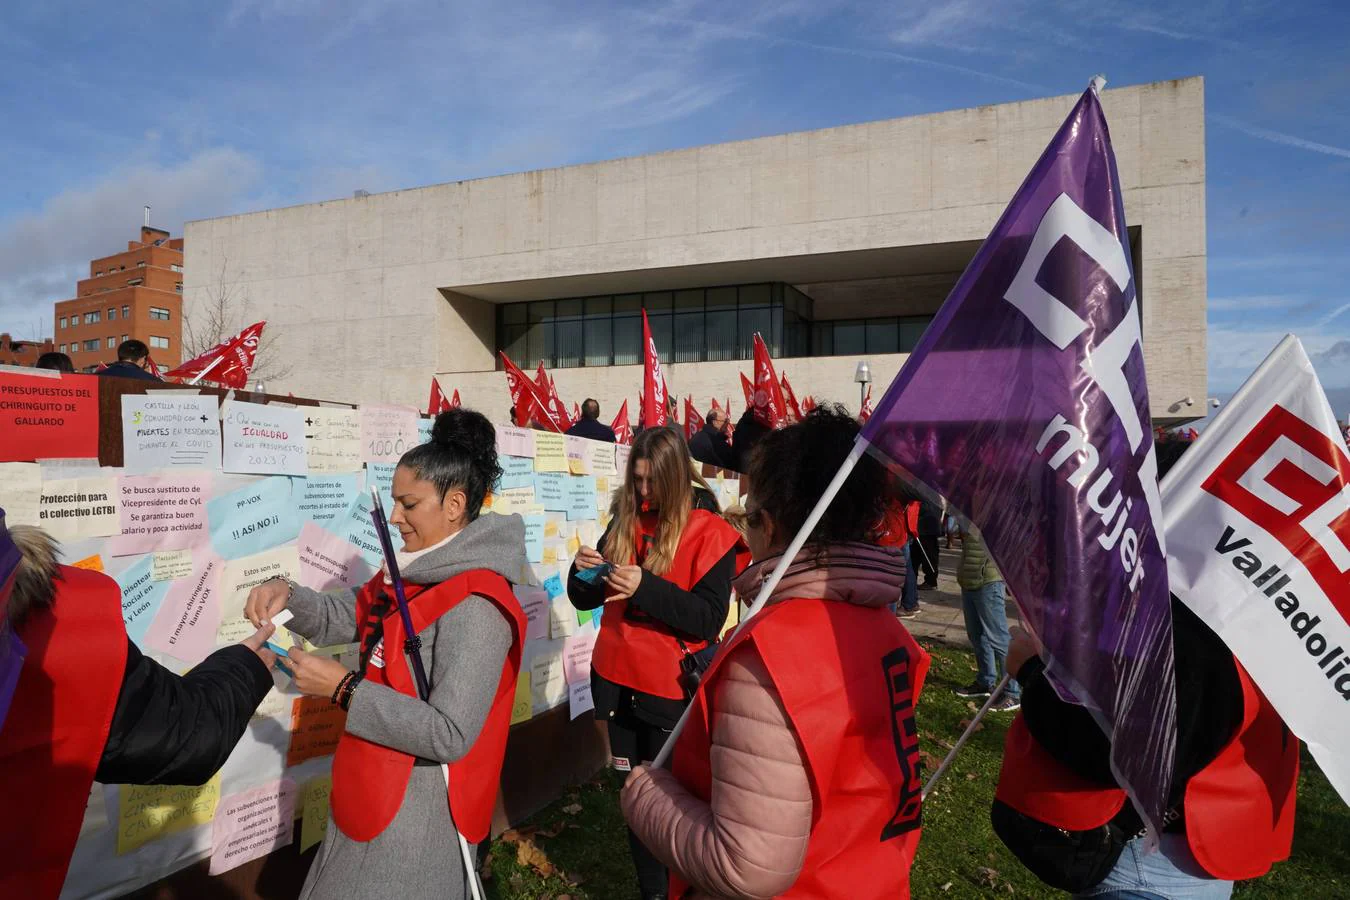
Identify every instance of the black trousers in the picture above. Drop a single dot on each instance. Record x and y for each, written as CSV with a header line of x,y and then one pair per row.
x,y
633,742
926,557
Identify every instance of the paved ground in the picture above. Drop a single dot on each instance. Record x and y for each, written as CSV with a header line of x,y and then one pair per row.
x,y
940,617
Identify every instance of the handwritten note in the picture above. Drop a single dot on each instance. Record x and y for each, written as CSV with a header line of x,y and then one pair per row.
x,y
581,497
273,704
316,725
168,565
517,501
550,452
20,490
147,813
239,577
381,475
550,489
357,527
263,440
522,706
160,512
314,823
534,603
75,508
577,651
164,431
424,430
185,626
579,698
387,432
578,452
253,518
621,454
329,561
332,440
251,824
324,498
547,684
517,472
142,596
561,618
601,458
512,441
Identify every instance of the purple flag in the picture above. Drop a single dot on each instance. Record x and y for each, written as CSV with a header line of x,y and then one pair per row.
x,y
1025,406
11,649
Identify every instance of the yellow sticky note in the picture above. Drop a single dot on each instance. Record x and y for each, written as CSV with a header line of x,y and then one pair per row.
x,y
550,555
92,563
573,546
147,813
550,529
550,452
576,466
601,485
314,825
522,707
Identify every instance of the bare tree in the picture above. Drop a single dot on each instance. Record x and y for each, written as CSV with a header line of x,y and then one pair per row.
x,y
222,314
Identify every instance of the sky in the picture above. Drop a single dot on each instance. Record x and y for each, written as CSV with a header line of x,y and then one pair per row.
x,y
210,109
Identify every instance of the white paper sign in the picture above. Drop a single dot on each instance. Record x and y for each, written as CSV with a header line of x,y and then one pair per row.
x,y
20,490
165,432
333,439
75,508
387,432
263,440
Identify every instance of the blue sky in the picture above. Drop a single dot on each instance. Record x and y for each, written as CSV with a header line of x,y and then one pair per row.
x,y
206,109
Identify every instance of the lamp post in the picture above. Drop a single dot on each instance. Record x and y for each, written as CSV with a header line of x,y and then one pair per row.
x,y
863,375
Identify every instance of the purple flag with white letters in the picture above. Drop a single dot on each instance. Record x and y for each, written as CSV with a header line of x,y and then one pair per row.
x,y
1025,406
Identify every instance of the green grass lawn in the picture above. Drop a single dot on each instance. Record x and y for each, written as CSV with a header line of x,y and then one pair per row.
x,y
577,848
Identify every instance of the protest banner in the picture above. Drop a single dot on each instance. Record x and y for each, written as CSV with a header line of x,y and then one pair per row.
x,y
165,431
1257,512
260,439
45,417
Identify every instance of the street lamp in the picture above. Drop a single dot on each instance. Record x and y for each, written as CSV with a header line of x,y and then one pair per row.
x,y
863,375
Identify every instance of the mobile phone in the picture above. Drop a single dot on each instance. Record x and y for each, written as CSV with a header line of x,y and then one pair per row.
x,y
598,573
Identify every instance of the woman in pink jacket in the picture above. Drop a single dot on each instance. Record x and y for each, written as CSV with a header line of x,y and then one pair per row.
x,y
797,774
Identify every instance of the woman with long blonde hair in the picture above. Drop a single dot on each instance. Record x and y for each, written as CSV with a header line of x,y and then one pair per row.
x,y
663,571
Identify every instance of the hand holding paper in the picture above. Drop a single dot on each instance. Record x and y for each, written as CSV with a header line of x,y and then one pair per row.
x,y
256,642
267,602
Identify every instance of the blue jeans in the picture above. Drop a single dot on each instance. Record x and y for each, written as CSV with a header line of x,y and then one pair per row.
x,y
909,599
986,610
1170,873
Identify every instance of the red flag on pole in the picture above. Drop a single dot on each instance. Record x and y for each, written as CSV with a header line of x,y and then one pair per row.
x,y
154,369
623,431
655,412
548,393
866,412
454,401
808,404
791,399
717,406
228,363
525,398
749,391
693,422
769,407
437,403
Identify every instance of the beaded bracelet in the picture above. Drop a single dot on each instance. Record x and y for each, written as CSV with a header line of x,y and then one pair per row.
x,y
350,688
337,691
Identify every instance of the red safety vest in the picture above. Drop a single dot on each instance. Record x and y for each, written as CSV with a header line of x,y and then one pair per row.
x,y
899,523
1239,809
644,654
369,779
849,678
57,727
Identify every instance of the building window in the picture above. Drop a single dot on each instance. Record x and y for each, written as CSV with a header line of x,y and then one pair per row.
x,y
126,312
112,342
112,313
158,312
63,348
135,281
91,318
91,344
125,338
140,264
159,343
98,273
63,322
178,287
176,267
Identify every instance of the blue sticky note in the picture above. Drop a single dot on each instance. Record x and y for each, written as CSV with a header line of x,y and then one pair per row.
x,y
550,489
424,427
553,584
324,498
253,519
381,475
580,497
141,597
534,538
357,527
597,614
517,472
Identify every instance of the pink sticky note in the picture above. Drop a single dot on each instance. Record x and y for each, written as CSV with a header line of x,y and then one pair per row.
x,y
534,603
512,441
185,626
160,512
251,824
387,432
328,561
577,650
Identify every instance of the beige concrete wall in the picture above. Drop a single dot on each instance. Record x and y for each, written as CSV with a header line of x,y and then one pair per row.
x,y
368,296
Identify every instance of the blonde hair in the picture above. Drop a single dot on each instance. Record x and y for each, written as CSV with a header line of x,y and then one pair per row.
x,y
673,481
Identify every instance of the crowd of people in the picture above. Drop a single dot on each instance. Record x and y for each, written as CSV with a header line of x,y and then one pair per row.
x,y
798,772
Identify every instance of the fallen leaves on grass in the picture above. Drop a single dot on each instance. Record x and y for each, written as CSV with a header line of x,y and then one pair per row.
x,y
965,723
572,809
529,854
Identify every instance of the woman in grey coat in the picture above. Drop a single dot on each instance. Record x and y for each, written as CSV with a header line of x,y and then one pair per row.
x,y
379,845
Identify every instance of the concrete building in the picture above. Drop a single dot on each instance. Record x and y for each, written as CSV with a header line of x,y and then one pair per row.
x,y
837,244
137,293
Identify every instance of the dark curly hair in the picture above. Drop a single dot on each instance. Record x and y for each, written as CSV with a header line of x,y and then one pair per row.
x,y
790,469
461,456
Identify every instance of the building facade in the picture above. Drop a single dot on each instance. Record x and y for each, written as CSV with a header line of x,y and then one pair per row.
x,y
16,352
836,245
137,293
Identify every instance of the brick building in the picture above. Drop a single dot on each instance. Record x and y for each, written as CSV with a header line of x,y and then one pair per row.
x,y
137,293
16,352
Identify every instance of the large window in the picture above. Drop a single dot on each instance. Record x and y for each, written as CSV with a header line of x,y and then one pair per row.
x,y
112,313
63,322
112,342
91,344
159,343
91,318
126,312
160,313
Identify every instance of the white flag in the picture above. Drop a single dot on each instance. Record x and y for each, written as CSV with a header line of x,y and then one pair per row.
x,y
1257,513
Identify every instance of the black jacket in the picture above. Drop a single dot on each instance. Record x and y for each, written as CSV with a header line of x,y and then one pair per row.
x,y
710,446
696,615
168,729
591,428
123,369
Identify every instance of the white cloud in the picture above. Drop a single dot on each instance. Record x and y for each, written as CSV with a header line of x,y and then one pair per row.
x,y
43,252
1277,137
1234,353
1333,365
1250,303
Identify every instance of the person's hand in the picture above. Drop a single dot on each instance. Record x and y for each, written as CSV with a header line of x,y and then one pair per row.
x,y
1021,647
256,641
588,558
638,772
623,581
266,600
314,674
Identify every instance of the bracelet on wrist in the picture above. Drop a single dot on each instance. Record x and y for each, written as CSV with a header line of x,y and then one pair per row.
x,y
349,689
337,691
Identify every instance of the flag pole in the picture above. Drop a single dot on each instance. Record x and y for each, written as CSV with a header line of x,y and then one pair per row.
x,y
202,374
850,462
965,736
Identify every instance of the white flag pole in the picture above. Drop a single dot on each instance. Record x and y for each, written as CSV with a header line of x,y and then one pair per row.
x,y
965,736
859,448
202,374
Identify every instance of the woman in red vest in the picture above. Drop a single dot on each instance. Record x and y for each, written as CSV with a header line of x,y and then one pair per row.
x,y
797,772
408,772
672,559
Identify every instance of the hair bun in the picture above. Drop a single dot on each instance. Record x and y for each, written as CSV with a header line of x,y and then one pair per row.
x,y
467,430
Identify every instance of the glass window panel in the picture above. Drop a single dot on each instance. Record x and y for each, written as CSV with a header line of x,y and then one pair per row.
x,y
883,336
688,300
822,339
776,340
721,298
911,330
627,303
599,340
567,308
627,340
541,311
850,338
662,334
752,320
539,346
569,336
513,314
599,306
657,301
513,342
755,294
720,328
689,338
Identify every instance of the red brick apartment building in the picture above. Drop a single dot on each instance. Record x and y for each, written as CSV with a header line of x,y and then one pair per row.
x,y
135,294
16,352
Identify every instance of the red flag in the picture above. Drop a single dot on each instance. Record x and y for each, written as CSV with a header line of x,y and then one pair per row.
x,y
525,398
866,412
808,403
749,391
716,407
454,401
437,403
791,399
623,432
100,367
654,404
154,369
693,422
576,411
769,407
548,393
228,363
